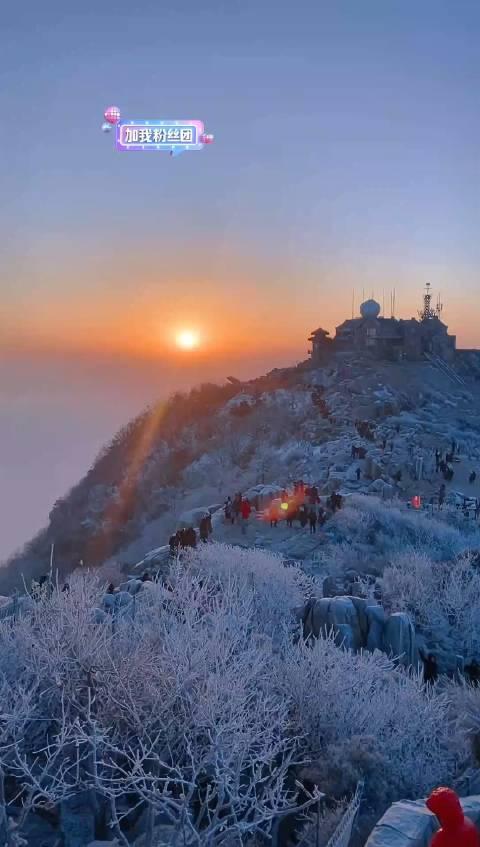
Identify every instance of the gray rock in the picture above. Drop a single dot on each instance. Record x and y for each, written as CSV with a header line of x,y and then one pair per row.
x,y
343,611
410,824
77,820
344,636
123,598
133,586
405,824
108,602
375,613
99,616
361,606
376,623
329,587
399,638
319,616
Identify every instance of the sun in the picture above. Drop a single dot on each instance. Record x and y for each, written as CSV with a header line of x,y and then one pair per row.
x,y
187,339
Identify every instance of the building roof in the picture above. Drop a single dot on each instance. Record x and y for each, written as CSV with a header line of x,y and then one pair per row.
x,y
320,331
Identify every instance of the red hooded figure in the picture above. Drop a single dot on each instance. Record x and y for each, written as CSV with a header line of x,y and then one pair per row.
x,y
246,509
456,830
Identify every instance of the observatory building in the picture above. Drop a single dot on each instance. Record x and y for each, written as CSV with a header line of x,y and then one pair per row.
x,y
389,338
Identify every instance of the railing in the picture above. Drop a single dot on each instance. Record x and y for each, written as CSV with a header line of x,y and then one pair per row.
x,y
438,362
343,833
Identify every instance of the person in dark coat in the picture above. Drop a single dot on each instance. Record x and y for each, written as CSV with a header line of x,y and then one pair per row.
x,y
111,588
291,515
190,537
312,519
441,495
472,477
472,671
358,473
273,515
237,507
430,668
303,516
173,543
204,529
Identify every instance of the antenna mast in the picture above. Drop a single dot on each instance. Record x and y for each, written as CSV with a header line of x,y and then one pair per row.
x,y
428,312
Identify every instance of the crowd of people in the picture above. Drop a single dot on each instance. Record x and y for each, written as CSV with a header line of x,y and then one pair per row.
x,y
301,503
187,536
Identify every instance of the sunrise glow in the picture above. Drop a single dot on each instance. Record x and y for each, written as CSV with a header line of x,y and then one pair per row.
x,y
187,339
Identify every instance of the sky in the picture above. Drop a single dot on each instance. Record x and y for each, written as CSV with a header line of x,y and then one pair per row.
x,y
346,157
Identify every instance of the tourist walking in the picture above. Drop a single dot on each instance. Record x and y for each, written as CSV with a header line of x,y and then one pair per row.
x,y
190,537
273,516
312,519
204,529
430,668
237,507
245,510
472,477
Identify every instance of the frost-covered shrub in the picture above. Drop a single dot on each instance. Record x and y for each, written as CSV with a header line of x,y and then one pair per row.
x,y
465,712
361,716
276,589
174,704
440,596
390,528
336,559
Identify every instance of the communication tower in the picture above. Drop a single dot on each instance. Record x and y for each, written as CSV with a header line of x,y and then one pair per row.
x,y
428,312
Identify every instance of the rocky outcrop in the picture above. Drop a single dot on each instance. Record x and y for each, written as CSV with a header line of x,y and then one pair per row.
x,y
399,638
358,625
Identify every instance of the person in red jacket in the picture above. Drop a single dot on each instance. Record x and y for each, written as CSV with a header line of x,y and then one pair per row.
x,y
456,830
245,510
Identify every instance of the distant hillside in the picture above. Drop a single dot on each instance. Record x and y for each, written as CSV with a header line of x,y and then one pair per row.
x,y
135,478
197,448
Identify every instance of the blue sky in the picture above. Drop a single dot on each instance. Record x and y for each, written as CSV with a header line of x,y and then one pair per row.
x,y
347,144
346,155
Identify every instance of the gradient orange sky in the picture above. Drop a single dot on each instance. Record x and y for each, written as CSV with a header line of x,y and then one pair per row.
x,y
239,305
345,155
